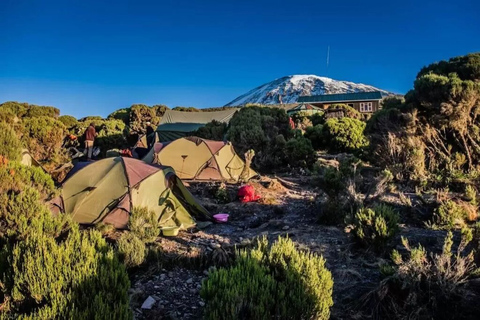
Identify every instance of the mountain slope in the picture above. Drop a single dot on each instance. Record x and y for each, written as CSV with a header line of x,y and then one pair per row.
x,y
288,89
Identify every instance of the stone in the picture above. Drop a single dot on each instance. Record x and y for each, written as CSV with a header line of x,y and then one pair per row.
x,y
201,303
285,228
189,281
148,303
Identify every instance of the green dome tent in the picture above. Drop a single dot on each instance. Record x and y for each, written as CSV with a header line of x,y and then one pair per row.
x,y
195,158
107,190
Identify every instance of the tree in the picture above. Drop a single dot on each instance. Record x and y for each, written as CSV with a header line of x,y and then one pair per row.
x,y
344,135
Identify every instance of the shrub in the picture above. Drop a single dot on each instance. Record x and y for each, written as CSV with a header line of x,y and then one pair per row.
x,y
16,175
121,114
214,130
374,227
221,194
317,118
10,146
314,134
143,224
140,114
348,111
270,282
43,136
344,135
52,270
265,130
299,152
75,278
68,121
428,286
450,215
131,249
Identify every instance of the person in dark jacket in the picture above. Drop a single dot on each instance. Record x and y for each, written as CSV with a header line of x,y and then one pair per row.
x,y
90,135
150,135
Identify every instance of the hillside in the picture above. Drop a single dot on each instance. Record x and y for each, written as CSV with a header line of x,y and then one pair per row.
x,y
288,89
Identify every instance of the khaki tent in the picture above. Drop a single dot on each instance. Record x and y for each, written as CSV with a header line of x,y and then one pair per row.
x,y
177,124
194,158
107,190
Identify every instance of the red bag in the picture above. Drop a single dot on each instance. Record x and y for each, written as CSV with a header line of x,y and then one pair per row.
x,y
247,194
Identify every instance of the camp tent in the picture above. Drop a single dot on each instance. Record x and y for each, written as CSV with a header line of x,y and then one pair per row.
x,y
177,124
107,190
194,158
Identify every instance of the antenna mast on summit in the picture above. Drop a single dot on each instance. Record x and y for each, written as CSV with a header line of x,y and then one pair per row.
x,y
328,59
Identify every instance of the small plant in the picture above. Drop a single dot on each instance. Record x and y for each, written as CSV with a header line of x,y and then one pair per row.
x,y
424,284
10,145
144,224
270,282
374,227
222,194
451,215
131,249
471,194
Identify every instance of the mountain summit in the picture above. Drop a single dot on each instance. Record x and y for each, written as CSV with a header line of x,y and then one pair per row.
x,y
288,89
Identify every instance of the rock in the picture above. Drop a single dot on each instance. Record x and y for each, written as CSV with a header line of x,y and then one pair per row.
x,y
205,272
263,226
156,287
148,303
285,228
215,245
189,281
201,303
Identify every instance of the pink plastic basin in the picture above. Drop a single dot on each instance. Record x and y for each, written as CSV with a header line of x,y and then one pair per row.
x,y
221,217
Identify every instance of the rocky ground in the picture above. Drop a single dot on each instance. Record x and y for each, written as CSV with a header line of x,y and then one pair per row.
x,y
288,207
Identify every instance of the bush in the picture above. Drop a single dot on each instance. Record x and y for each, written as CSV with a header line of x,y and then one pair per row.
x,y
344,135
52,270
375,227
16,174
214,130
450,215
317,118
121,114
10,146
314,134
143,224
270,282
299,152
265,130
348,111
428,286
68,121
43,136
131,249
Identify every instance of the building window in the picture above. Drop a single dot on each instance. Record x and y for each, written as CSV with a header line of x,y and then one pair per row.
x,y
350,105
366,107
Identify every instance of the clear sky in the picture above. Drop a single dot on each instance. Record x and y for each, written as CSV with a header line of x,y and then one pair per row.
x,y
90,57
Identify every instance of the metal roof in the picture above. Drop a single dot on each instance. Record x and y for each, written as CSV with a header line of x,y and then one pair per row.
x,y
338,97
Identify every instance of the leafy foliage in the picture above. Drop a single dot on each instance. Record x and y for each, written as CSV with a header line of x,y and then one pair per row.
x,y
276,281
265,130
348,111
344,135
131,249
68,121
10,146
214,130
374,227
143,224
426,285
299,152
314,134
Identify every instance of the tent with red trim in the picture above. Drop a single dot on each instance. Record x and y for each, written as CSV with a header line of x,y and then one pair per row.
x,y
107,191
195,158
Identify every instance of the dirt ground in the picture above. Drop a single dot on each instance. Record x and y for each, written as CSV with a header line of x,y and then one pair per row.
x,y
288,207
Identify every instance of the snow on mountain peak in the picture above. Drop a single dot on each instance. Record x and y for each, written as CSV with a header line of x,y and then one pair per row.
x,y
288,89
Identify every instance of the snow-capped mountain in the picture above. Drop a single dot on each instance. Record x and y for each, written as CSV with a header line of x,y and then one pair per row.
x,y
289,88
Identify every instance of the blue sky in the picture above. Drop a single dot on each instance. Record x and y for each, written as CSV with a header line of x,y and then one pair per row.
x,y
92,57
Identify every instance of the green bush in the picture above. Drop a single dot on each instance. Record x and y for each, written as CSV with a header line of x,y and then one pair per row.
x,y
41,111
317,118
428,285
299,152
68,121
214,130
10,146
270,282
131,249
375,227
121,114
43,136
348,111
450,215
344,135
314,134
265,130
143,224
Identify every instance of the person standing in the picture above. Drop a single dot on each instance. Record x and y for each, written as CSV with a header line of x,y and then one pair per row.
x,y
90,135
150,135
